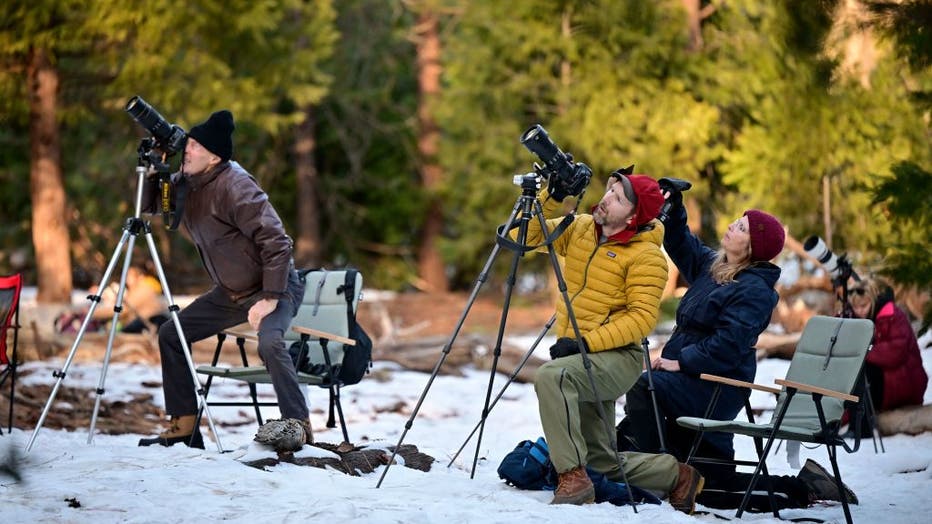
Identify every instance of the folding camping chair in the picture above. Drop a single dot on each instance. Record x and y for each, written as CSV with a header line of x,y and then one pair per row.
x,y
10,289
321,329
824,371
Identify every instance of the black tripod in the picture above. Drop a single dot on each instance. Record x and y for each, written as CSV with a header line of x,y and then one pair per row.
x,y
528,206
149,161
840,283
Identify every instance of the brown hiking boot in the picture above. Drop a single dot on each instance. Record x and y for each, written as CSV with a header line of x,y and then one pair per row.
x,y
182,429
688,484
574,487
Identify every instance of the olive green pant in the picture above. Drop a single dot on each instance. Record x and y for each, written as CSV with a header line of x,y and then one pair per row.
x,y
577,436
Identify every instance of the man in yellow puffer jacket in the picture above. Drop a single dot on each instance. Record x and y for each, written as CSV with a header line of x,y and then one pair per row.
x,y
615,274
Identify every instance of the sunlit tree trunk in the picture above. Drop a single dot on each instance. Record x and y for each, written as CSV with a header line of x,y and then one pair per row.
x,y
307,246
49,225
430,263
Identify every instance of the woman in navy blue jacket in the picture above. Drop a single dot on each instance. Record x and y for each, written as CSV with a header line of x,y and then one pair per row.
x,y
729,303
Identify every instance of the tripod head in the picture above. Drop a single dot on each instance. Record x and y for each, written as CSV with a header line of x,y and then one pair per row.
x,y
528,182
152,162
842,274
149,156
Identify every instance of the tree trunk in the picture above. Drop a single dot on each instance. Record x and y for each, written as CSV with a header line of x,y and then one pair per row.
x,y
693,24
49,225
308,245
430,264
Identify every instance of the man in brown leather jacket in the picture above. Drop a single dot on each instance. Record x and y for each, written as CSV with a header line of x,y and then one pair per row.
x,y
248,256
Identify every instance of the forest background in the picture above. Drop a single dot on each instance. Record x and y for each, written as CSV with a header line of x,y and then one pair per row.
x,y
386,132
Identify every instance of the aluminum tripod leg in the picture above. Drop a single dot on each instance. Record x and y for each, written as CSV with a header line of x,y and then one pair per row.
x,y
480,280
117,309
95,301
525,203
132,229
511,379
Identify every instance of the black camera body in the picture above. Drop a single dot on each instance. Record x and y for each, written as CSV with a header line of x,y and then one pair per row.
x,y
565,177
169,138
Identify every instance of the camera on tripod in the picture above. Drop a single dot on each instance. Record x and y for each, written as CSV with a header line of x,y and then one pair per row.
x,y
169,138
166,140
565,177
837,267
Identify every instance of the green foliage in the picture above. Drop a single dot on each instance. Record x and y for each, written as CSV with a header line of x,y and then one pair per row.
x,y
759,116
906,198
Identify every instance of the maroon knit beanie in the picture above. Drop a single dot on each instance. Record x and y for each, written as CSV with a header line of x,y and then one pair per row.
x,y
767,235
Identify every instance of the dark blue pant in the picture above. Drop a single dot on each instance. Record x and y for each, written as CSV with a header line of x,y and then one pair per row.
x,y
678,395
210,314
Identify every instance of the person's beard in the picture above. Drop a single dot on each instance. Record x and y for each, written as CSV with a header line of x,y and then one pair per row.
x,y
599,216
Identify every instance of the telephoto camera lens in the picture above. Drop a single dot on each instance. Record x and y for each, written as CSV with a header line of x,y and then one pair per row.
x,y
816,248
537,141
169,138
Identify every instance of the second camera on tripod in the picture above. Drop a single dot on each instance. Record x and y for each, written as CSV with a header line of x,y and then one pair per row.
x,y
565,177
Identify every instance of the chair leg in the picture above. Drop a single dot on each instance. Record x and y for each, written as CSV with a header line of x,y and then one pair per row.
x,y
12,391
832,454
761,465
335,399
241,344
331,421
3,376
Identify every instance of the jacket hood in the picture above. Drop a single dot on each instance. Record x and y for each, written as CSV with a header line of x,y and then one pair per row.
x,y
770,273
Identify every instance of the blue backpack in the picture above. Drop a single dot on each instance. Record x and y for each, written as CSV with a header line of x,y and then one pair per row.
x,y
528,466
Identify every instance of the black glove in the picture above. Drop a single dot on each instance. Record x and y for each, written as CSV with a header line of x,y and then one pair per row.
x,y
557,191
675,187
565,347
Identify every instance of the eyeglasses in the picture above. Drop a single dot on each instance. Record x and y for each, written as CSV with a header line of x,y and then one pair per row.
x,y
859,291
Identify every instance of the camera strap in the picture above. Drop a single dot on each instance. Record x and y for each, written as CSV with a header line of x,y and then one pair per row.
x,y
181,192
507,243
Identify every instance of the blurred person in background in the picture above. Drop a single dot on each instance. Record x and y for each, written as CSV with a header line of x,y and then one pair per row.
x,y
893,368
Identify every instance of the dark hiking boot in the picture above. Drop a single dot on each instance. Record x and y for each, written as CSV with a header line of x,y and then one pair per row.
x,y
821,483
688,485
574,487
182,430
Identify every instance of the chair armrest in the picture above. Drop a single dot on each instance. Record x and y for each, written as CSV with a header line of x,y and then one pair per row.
x,y
738,383
243,330
815,389
316,333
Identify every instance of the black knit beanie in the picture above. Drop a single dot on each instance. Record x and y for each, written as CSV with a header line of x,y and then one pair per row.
x,y
216,134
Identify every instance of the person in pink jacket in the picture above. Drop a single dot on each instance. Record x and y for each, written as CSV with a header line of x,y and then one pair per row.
x,y
894,365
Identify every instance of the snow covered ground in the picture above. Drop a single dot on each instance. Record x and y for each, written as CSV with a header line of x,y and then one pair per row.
x,y
113,480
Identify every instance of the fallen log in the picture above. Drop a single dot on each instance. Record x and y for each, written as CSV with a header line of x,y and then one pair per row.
x,y
774,345
911,420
